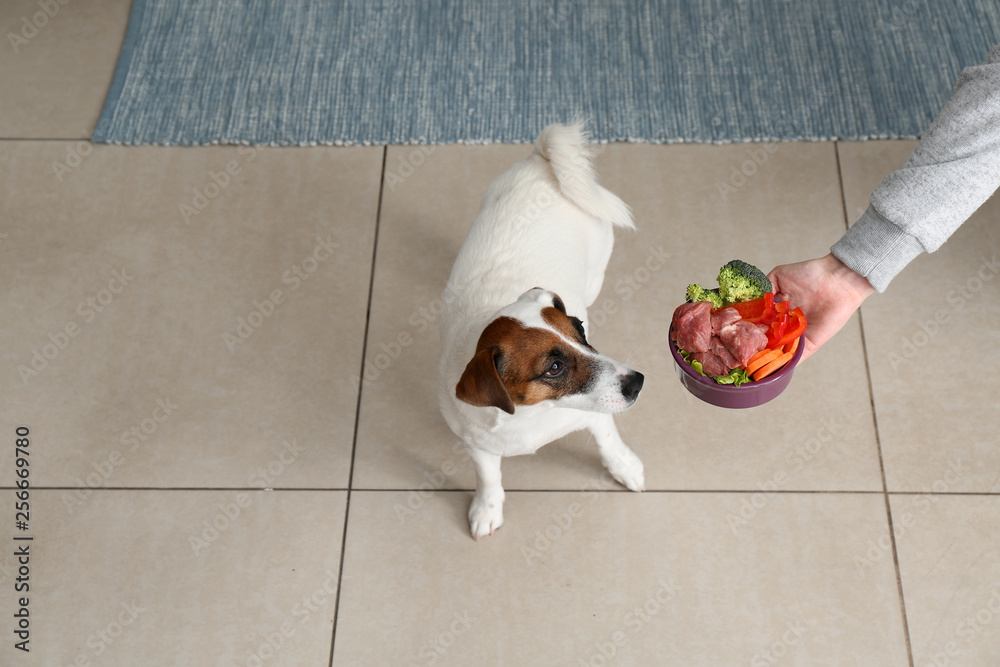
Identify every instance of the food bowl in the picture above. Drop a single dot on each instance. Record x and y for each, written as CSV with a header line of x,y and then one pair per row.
x,y
747,395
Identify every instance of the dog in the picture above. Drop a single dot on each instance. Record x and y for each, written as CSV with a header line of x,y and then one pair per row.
x,y
517,371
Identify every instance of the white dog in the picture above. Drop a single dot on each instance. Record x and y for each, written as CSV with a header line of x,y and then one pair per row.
x,y
516,369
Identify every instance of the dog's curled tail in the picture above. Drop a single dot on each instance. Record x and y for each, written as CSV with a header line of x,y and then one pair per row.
x,y
568,151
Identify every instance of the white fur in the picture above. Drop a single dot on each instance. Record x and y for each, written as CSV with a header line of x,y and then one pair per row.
x,y
545,222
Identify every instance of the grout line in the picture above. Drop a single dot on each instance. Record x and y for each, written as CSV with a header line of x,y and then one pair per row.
x,y
888,505
357,411
624,491
776,492
98,489
878,439
840,184
335,489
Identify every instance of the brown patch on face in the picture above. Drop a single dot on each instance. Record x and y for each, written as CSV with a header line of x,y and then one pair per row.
x,y
519,365
568,326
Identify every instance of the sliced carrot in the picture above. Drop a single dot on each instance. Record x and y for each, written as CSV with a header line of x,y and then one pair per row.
x,y
772,366
759,360
757,356
794,345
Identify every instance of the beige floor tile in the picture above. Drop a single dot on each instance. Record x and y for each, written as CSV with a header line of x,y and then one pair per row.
x,y
186,370
819,435
615,578
71,48
179,578
932,342
950,568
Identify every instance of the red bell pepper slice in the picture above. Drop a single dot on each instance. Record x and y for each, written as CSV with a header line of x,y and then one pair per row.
x,y
777,330
758,311
787,328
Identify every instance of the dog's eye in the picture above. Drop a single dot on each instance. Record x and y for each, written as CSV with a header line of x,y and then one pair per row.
x,y
556,369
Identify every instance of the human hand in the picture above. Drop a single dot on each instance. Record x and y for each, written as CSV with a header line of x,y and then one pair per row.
x,y
827,291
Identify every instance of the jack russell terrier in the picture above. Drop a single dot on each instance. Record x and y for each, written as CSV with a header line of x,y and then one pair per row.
x,y
516,369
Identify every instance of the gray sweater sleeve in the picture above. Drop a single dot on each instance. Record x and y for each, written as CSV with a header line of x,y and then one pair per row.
x,y
952,172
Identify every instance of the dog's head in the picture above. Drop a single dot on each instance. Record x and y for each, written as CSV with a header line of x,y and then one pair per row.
x,y
534,352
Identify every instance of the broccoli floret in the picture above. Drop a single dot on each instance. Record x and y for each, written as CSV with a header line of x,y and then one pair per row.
x,y
739,281
696,293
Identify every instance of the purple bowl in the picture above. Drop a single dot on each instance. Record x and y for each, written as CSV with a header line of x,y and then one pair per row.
x,y
748,395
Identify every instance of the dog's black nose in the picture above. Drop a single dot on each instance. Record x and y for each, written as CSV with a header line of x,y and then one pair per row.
x,y
631,385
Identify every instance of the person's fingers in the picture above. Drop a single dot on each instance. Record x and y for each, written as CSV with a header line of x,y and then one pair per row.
x,y
808,350
775,279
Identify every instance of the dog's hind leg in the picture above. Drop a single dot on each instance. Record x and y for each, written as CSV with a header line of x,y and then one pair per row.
x,y
620,461
486,511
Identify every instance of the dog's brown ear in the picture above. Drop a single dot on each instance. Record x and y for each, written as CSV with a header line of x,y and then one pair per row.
x,y
481,384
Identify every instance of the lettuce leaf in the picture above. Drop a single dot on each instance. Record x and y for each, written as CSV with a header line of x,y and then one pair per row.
x,y
736,377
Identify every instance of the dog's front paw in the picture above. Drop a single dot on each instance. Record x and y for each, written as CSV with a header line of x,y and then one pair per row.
x,y
627,469
485,516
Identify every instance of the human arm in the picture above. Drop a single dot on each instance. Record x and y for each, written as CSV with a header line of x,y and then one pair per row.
x,y
952,172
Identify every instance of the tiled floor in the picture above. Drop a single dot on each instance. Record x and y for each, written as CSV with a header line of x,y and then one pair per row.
x,y
236,456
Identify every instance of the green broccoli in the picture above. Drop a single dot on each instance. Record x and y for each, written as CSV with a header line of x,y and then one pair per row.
x,y
696,293
739,281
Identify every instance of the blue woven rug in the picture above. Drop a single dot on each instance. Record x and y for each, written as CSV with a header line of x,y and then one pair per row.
x,y
290,72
